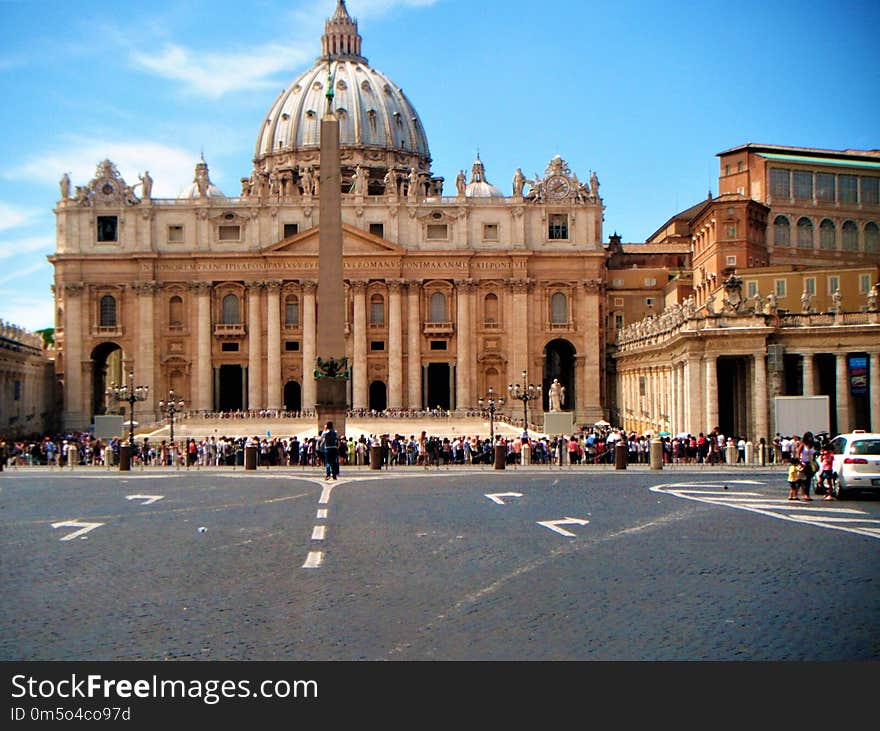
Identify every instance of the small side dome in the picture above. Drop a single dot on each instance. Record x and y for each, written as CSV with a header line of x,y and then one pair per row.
x,y
479,187
201,186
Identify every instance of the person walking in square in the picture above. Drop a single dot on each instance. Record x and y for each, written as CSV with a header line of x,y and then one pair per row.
x,y
330,444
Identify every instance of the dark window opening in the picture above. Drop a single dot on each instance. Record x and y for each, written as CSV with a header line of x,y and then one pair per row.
x,y
377,345
107,228
229,347
378,229
290,229
291,345
438,345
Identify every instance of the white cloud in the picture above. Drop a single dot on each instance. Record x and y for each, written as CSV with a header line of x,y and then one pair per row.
x,y
216,74
12,216
27,311
28,245
170,167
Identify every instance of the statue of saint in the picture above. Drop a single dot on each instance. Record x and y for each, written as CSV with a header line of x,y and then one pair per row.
x,y
557,395
460,183
390,181
594,184
836,299
65,187
414,182
360,181
147,182
806,302
305,179
874,298
519,180
772,306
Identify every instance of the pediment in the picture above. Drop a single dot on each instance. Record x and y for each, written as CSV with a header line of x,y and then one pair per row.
x,y
355,242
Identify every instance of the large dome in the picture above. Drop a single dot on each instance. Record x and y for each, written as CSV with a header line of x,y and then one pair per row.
x,y
378,127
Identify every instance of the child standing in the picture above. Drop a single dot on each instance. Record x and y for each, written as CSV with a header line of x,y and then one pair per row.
x,y
795,475
826,476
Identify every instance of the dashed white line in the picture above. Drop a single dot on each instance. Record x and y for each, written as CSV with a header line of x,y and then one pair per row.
x,y
322,514
313,560
318,532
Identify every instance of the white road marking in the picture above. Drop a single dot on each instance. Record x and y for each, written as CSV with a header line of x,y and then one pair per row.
x,y
84,528
322,514
496,496
148,499
325,495
716,492
821,515
313,560
554,525
318,532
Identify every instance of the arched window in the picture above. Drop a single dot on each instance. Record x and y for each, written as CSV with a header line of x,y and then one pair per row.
x,y
291,310
850,236
231,313
438,307
805,233
490,309
558,309
108,311
781,231
175,311
827,234
872,238
377,310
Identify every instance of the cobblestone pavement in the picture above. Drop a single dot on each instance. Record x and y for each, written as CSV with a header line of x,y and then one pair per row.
x,y
416,565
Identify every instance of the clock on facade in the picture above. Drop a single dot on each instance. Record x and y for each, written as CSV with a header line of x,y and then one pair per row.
x,y
557,186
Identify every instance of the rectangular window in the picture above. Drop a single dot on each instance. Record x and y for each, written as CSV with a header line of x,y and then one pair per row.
x,y
864,283
618,321
650,281
558,227
229,347
618,301
848,188
107,228
780,287
825,187
731,261
438,231
377,345
810,285
16,394
290,229
617,283
780,183
871,190
175,234
229,233
490,232
803,185
649,301
731,230
291,345
739,166
378,229
438,345
833,284
751,288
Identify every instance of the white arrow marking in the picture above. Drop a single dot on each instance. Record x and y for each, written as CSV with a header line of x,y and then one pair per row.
x,y
83,528
146,498
496,496
554,525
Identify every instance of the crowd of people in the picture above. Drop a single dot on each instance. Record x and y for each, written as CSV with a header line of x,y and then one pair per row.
x,y
429,449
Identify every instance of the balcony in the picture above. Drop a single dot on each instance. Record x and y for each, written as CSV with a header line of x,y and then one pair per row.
x,y
561,327
108,331
229,330
439,328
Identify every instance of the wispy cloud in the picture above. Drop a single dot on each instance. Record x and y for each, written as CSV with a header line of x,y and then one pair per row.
x,y
27,310
215,74
170,167
12,216
27,245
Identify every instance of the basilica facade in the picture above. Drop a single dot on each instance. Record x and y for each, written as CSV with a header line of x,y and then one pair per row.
x,y
214,296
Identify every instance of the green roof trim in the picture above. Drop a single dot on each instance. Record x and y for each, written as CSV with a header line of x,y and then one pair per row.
x,y
822,161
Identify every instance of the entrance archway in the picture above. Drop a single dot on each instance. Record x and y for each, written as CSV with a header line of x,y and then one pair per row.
x,y
378,396
106,370
438,389
559,357
229,391
292,396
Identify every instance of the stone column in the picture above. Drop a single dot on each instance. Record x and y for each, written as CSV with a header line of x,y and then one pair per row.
x,y
308,351
255,347
413,348
146,339
359,335
589,396
874,390
694,395
518,343
809,375
395,344
463,361
74,411
273,355
203,392
710,366
759,399
843,410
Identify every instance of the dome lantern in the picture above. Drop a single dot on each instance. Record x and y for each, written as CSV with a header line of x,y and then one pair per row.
x,y
341,38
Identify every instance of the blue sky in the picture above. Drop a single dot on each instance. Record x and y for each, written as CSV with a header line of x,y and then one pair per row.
x,y
645,93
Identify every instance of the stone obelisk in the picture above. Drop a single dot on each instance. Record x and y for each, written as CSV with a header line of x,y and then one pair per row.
x,y
331,368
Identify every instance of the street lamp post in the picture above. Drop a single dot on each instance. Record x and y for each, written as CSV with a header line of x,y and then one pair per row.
x,y
524,392
491,402
131,394
171,407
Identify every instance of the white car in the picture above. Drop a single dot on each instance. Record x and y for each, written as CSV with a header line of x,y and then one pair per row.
x,y
856,462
